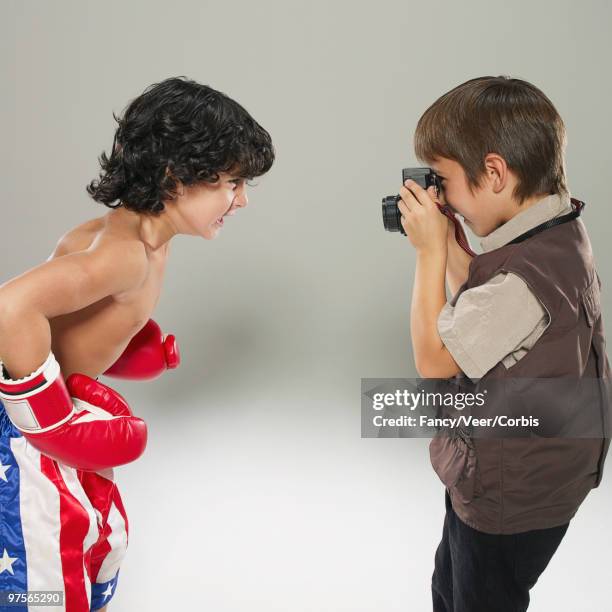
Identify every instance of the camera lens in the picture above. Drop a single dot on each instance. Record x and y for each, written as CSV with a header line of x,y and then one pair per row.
x,y
392,218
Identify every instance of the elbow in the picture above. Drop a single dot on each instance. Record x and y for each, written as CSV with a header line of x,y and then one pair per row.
x,y
427,362
8,305
13,311
424,368
426,371
441,365
5,323
5,308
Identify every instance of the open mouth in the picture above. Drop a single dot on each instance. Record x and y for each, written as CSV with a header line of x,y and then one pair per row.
x,y
230,213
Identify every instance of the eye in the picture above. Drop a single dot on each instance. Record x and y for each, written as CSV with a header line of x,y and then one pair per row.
x,y
242,181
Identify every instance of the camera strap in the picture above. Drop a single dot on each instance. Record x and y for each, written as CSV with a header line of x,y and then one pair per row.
x,y
460,236
578,206
463,242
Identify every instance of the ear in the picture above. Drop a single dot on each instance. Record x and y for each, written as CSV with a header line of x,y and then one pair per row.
x,y
496,171
179,187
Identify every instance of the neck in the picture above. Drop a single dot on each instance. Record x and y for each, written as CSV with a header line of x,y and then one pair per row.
x,y
515,208
158,230
154,231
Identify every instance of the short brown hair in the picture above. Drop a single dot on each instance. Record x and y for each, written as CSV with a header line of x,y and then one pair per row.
x,y
510,117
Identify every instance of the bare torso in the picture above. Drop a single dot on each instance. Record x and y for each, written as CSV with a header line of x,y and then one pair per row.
x,y
90,340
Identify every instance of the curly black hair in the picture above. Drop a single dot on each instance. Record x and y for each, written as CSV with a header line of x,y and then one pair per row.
x,y
178,130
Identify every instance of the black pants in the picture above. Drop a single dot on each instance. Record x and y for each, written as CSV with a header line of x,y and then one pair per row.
x,y
481,572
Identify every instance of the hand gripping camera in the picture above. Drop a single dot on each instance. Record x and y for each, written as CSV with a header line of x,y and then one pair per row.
x,y
425,177
392,217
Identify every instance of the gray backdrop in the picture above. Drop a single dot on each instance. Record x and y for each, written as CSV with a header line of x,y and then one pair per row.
x,y
256,491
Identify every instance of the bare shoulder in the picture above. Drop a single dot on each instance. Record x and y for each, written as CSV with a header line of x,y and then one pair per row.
x,y
112,245
109,234
78,238
121,248
97,263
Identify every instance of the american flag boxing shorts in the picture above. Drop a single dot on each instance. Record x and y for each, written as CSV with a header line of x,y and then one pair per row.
x,y
61,529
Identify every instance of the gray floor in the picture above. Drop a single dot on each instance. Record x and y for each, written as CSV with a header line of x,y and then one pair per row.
x,y
262,506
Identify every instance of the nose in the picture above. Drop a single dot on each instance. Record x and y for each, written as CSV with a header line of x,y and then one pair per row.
x,y
241,198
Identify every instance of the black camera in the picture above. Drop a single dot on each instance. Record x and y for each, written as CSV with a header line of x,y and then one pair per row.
x,y
392,217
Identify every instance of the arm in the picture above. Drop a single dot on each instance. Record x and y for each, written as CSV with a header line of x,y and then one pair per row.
x,y
427,230
81,423
60,286
436,361
432,358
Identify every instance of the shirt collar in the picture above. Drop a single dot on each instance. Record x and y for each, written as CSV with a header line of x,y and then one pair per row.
x,y
548,208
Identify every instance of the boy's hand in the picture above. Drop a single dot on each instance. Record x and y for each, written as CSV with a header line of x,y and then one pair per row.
x,y
426,227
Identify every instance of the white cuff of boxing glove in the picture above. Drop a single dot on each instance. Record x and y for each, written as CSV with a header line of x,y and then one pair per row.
x,y
17,404
50,363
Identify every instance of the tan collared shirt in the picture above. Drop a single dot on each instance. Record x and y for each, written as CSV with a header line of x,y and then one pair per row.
x,y
501,319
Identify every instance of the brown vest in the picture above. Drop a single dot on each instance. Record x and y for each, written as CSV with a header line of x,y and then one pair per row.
x,y
510,485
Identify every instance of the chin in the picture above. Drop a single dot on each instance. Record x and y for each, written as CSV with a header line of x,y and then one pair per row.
x,y
210,233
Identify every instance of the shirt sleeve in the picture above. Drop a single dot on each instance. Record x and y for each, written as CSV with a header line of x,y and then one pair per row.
x,y
491,321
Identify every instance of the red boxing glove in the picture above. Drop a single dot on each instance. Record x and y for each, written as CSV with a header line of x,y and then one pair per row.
x,y
94,431
148,355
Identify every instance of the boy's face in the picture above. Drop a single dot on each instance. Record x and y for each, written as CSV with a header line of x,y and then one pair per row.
x,y
203,207
478,209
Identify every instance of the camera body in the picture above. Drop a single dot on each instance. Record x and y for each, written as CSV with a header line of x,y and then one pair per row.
x,y
392,217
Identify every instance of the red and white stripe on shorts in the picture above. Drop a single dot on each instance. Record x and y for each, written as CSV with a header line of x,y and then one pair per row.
x,y
74,526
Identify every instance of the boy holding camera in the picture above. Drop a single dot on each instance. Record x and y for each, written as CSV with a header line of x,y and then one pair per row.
x,y
527,307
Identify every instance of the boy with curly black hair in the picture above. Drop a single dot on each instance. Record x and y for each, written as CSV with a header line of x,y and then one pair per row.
x,y
180,161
